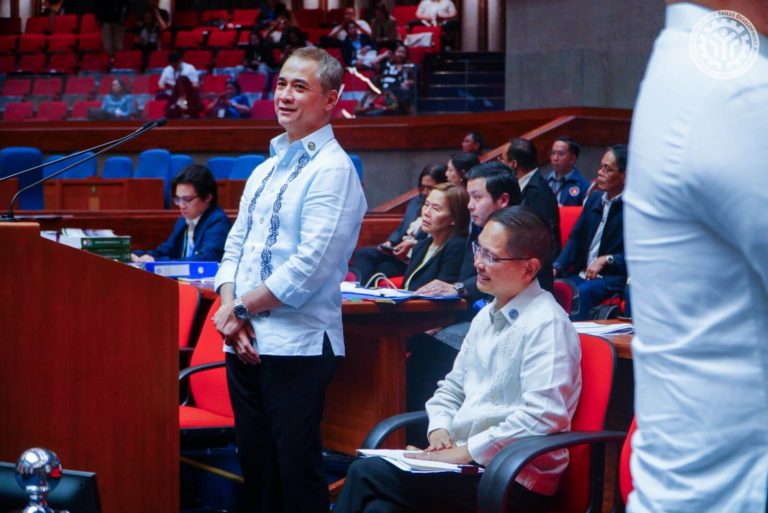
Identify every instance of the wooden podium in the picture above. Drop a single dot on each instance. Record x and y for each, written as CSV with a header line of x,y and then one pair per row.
x,y
89,368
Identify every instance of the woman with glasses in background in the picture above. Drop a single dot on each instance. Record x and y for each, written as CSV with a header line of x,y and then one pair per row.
x,y
391,256
201,231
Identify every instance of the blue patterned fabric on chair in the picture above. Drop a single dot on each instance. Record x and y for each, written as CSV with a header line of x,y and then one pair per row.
x,y
244,166
85,170
16,158
118,167
156,163
221,167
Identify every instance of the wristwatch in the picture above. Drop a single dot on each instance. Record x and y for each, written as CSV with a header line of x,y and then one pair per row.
x,y
609,259
240,310
459,288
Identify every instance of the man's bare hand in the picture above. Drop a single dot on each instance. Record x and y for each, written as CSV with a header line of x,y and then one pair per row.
x,y
242,343
593,271
437,288
439,439
457,456
225,321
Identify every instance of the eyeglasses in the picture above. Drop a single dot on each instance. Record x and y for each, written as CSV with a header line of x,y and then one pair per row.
x,y
484,255
186,200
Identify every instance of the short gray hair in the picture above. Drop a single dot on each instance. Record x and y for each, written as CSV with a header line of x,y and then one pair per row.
x,y
329,70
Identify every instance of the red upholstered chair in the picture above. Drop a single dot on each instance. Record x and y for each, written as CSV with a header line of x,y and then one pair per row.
x,y
186,19
94,62
65,24
154,109
81,107
32,63
245,17
62,63
222,39
214,85
251,82
577,491
568,218
62,43
200,59
207,411
146,84
7,63
88,24
90,42
8,44
47,87
228,58
189,303
127,60
436,32
81,86
563,293
346,105
17,87
51,111
335,16
263,109
19,111
32,43
188,39
37,25
210,16
404,13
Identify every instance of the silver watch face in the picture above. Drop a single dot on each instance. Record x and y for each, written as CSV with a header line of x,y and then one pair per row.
x,y
241,312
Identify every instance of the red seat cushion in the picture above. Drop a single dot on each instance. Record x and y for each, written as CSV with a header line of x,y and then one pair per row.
x,y
191,417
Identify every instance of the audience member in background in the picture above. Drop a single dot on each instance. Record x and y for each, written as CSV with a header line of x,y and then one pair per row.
x,y
569,186
292,39
269,11
372,103
258,54
396,75
111,17
458,165
339,33
147,35
118,104
536,195
518,375
473,143
384,27
444,218
593,257
176,68
201,231
491,186
439,13
231,105
357,49
391,256
184,101
161,16
274,33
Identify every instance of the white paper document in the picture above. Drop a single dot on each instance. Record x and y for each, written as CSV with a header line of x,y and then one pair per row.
x,y
593,328
396,457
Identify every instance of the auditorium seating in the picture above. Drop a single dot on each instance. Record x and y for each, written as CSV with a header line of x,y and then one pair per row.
x,y
156,163
81,107
51,111
221,167
178,162
84,170
19,111
117,167
244,165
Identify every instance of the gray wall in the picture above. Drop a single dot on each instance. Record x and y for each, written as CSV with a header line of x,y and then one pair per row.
x,y
587,53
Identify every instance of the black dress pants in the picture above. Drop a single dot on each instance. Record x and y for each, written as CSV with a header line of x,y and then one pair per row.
x,y
278,407
375,486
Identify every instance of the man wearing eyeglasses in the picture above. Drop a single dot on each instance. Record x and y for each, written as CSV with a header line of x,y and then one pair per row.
x,y
593,257
201,231
517,375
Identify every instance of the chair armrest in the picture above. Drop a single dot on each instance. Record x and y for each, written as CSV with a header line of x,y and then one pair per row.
x,y
186,350
185,373
508,462
386,427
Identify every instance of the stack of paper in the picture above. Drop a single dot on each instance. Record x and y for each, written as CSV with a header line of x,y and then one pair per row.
x,y
593,328
351,290
397,458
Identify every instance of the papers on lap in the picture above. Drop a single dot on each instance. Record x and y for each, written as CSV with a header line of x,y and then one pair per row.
x,y
351,290
396,457
593,328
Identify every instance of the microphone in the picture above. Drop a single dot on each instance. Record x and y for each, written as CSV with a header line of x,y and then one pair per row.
x,y
149,125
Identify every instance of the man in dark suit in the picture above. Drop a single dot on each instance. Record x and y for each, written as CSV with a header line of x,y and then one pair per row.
x,y
566,182
201,231
593,258
536,195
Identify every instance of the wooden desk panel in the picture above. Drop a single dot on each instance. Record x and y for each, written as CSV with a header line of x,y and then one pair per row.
x,y
104,194
229,193
7,189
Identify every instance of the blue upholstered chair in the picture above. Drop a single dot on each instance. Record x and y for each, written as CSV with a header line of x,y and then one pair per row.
x,y
358,166
221,167
178,162
156,163
17,158
244,166
117,167
84,170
